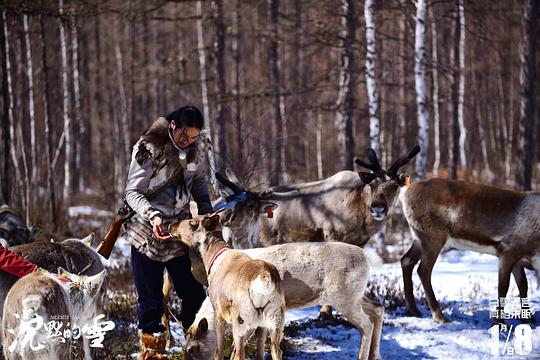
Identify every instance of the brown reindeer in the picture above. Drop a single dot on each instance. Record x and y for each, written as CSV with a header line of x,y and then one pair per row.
x,y
244,292
464,215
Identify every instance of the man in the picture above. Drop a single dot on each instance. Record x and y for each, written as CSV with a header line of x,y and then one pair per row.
x,y
164,175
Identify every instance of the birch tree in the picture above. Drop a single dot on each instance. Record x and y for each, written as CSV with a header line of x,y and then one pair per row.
x,y
31,108
527,101
121,161
435,89
420,86
77,105
68,136
371,83
347,81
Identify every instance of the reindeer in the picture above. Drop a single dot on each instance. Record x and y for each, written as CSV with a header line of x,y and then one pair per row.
x,y
244,292
37,299
469,216
346,207
76,256
308,279
13,231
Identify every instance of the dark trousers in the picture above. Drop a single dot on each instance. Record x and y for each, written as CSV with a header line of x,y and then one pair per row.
x,y
148,276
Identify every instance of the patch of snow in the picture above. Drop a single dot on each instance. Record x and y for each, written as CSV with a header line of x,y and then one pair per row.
x,y
75,211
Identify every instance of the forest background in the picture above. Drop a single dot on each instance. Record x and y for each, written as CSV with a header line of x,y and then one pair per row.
x,y
292,90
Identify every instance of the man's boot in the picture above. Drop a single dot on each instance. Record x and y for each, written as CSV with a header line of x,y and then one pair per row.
x,y
152,346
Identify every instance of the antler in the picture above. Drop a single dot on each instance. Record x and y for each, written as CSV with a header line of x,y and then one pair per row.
x,y
402,161
234,187
271,195
373,164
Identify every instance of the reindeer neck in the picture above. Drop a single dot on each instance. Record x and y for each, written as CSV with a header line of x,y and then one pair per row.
x,y
215,244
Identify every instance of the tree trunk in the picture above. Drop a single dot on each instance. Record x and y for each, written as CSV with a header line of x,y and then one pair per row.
x,y
7,112
402,64
279,170
371,82
9,98
77,110
68,135
435,76
237,48
220,138
31,109
461,86
347,83
527,109
319,145
204,90
420,85
121,158
47,115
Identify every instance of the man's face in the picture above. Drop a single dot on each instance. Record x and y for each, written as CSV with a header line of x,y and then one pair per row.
x,y
185,136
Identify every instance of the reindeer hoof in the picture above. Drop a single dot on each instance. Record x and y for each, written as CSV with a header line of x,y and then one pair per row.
x,y
441,319
326,316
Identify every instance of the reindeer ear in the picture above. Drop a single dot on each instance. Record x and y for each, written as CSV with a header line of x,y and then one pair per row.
x,y
224,215
89,240
202,328
367,191
95,282
210,223
366,177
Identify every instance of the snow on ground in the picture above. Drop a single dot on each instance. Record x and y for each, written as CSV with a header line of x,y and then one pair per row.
x,y
464,283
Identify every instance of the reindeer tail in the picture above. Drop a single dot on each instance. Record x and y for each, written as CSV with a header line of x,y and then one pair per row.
x,y
30,307
261,290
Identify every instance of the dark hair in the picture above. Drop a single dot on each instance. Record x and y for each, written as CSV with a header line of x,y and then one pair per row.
x,y
187,116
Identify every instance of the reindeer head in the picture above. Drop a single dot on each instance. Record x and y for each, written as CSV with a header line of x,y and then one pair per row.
x,y
381,189
195,232
198,346
247,205
86,293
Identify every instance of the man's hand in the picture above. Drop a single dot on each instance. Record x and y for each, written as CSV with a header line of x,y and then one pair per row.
x,y
157,228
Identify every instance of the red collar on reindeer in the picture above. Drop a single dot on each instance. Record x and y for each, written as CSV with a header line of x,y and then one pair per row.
x,y
215,256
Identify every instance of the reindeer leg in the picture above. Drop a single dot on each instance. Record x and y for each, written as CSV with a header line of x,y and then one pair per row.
x,y
518,271
356,315
167,288
326,313
430,251
260,334
408,262
375,311
506,263
220,333
275,339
